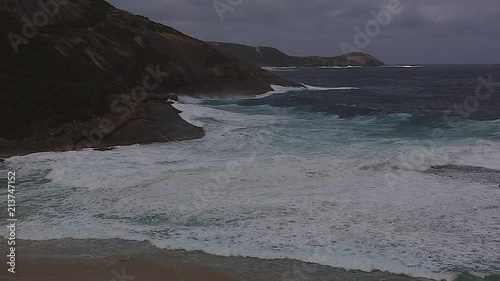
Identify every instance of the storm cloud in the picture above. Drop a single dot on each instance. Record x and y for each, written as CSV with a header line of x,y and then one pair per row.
x,y
424,32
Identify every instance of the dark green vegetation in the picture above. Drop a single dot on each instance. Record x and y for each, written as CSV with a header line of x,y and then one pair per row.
x,y
267,56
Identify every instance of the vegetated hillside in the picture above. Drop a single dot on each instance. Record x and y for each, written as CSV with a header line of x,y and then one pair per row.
x,y
267,56
88,54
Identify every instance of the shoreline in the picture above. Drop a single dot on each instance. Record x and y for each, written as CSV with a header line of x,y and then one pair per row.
x,y
95,259
142,127
122,269
151,122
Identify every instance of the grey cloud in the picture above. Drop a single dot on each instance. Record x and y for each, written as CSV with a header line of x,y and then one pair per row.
x,y
427,31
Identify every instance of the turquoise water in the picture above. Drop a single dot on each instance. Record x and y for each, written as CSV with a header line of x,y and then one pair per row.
x,y
279,178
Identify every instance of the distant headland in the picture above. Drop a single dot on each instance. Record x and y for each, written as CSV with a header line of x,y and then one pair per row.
x,y
272,57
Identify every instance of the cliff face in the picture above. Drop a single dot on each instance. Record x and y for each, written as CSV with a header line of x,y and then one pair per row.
x,y
267,56
66,63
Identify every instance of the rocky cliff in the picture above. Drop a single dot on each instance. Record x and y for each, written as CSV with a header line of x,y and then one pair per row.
x,y
267,56
69,66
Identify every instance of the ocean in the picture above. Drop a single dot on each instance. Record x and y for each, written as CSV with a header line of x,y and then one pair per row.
x,y
392,169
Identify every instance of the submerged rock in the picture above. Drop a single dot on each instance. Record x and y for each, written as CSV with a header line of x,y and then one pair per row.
x,y
104,149
469,277
469,173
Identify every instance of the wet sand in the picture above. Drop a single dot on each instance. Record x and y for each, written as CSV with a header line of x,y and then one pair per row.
x,y
119,260
80,269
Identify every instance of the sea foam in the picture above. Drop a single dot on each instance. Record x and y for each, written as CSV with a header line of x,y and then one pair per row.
x,y
263,192
300,186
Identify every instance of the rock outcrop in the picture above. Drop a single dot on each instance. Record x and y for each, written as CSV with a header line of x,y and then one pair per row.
x,y
68,65
272,57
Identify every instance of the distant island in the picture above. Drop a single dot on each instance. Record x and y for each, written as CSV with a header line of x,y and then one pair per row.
x,y
272,57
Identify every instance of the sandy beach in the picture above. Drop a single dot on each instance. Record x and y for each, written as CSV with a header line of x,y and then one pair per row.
x,y
119,260
63,269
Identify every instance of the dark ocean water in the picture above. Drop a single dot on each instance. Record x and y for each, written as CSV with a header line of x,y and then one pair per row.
x,y
362,170
427,92
427,97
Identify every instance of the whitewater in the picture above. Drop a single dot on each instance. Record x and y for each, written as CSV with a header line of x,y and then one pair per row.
x,y
277,180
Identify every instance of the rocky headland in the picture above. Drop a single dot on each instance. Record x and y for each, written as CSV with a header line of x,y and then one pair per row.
x,y
78,74
272,57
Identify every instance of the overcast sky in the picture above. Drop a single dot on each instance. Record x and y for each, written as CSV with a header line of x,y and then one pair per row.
x,y
424,31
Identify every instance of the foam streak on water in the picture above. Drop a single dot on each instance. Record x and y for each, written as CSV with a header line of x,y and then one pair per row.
x,y
287,175
272,186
